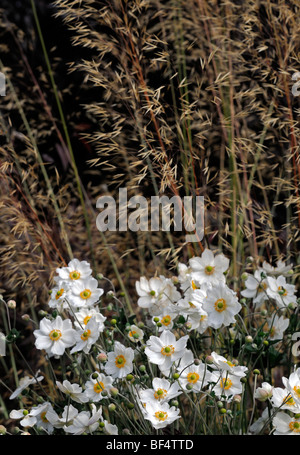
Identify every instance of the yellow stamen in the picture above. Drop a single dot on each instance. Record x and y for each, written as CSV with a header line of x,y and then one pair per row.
x,y
55,335
161,415
120,361
99,387
59,294
86,294
75,275
220,305
226,383
168,350
209,270
160,393
86,334
193,378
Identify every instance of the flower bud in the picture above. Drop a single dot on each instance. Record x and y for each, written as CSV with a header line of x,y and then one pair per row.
x,y
248,339
114,391
11,304
2,430
111,407
209,360
102,357
26,317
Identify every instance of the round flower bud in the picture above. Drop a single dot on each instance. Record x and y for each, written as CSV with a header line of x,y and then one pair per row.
x,y
188,325
209,360
244,276
237,398
197,361
99,276
26,317
248,339
110,294
111,407
176,375
175,403
220,404
263,313
142,368
130,405
189,387
104,393
156,319
95,375
113,322
129,377
249,259
126,431
2,430
223,411
256,371
101,424
141,325
11,304
122,294
114,391
109,307
266,343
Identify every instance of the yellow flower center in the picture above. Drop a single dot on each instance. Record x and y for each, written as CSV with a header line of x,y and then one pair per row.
x,y
193,378
220,305
168,350
43,417
55,335
160,393
99,387
295,426
230,363
289,401
59,294
75,275
209,270
161,415
86,319
120,361
86,294
166,320
226,383
194,286
282,291
297,390
85,335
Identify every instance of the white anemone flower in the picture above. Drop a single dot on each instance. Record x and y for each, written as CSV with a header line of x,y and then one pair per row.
x,y
110,429
196,376
26,420
85,422
281,268
96,386
264,392
55,336
165,350
135,334
282,292
226,385
40,412
83,316
283,399
277,326
74,391
156,294
286,425
256,288
292,384
86,337
68,415
85,293
209,268
76,270
222,364
59,295
259,424
160,414
162,391
166,319
221,305
119,362
25,382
